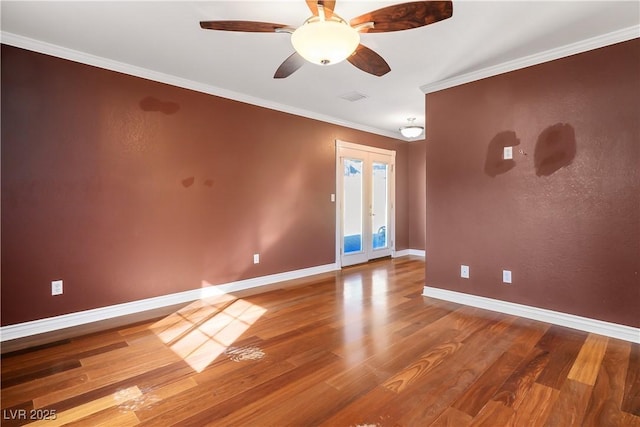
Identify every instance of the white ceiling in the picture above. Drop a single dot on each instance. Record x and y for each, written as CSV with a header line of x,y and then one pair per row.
x,y
163,41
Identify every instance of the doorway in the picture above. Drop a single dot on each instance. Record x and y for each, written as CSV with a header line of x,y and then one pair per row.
x,y
365,215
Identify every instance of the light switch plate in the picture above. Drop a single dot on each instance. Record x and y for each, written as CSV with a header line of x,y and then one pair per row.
x,y
507,154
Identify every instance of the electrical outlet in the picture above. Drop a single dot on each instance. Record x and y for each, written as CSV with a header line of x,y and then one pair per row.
x,y
56,287
506,276
256,258
464,271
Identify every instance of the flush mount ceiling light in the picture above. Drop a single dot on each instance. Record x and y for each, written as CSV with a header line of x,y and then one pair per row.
x,y
325,41
411,130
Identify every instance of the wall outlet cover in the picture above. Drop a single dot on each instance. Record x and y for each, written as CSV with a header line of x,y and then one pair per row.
x,y
506,276
464,271
56,287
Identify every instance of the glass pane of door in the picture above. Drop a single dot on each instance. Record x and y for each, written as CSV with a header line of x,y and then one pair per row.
x,y
352,213
379,205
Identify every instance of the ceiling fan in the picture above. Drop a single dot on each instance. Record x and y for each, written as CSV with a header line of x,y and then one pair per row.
x,y
325,38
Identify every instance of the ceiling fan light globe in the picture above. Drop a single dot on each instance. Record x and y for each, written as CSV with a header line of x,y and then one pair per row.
x,y
411,131
325,42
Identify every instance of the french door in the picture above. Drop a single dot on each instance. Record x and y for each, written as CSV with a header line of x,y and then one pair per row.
x,y
364,212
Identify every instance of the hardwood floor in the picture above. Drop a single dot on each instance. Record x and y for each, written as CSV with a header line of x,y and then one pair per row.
x,y
361,347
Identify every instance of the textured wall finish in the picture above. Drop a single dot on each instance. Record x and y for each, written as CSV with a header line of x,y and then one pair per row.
x,y
128,189
417,190
564,214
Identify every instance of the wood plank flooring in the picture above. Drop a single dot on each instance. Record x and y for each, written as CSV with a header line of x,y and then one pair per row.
x,y
360,347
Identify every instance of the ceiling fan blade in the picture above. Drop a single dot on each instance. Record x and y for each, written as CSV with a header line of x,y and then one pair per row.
x,y
369,61
289,66
245,26
405,16
329,6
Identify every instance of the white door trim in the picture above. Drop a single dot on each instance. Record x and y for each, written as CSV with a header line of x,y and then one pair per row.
x,y
351,145
392,220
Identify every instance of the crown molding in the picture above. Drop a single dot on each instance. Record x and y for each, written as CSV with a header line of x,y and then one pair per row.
x,y
132,70
121,67
614,37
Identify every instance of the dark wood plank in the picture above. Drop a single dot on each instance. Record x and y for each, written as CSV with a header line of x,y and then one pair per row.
x,y
35,389
563,346
535,409
452,418
53,365
476,396
516,388
571,404
420,368
31,349
20,376
494,414
528,334
631,401
606,399
16,415
66,350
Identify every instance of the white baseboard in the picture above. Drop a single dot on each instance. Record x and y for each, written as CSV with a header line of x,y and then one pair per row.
x,y
408,252
34,327
613,330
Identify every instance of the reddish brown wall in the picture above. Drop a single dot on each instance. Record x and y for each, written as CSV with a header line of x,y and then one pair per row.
x,y
127,188
564,215
417,194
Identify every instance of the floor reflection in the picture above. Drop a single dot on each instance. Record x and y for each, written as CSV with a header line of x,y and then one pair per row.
x,y
364,309
379,302
352,312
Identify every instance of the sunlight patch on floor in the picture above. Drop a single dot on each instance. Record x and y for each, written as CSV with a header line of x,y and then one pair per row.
x,y
205,329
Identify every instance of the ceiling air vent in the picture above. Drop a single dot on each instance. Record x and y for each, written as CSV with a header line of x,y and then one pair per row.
x,y
353,96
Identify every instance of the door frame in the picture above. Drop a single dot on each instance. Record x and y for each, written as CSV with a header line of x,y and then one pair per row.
x,y
392,195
